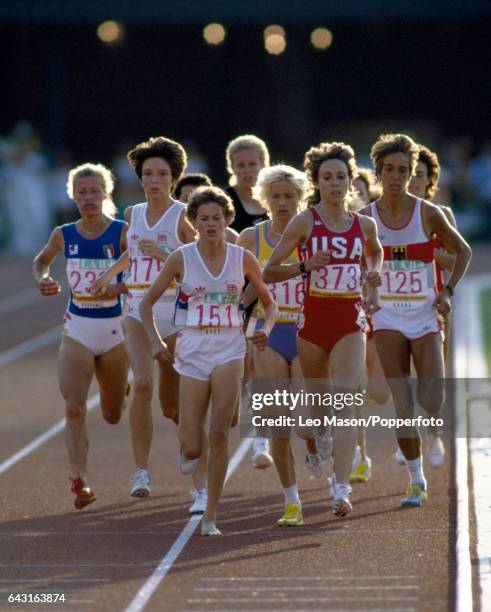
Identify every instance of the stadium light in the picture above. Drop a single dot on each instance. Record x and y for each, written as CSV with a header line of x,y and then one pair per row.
x,y
214,33
275,44
110,32
321,38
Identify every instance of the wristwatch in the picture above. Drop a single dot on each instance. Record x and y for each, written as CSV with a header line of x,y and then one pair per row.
x,y
302,268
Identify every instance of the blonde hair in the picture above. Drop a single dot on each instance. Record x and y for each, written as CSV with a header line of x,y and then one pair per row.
x,y
247,141
84,170
280,172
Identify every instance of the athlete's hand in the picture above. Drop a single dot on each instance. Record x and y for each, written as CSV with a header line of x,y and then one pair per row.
x,y
99,286
160,352
374,278
371,305
260,339
318,261
442,303
48,286
150,248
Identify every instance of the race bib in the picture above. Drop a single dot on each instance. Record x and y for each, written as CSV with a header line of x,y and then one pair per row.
x,y
288,296
144,270
404,285
81,273
336,280
214,310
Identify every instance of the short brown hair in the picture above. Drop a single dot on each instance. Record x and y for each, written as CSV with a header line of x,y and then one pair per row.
x,y
373,188
394,143
207,195
316,156
196,179
169,150
430,160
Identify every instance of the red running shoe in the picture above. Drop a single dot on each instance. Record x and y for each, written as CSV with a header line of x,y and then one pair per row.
x,y
83,493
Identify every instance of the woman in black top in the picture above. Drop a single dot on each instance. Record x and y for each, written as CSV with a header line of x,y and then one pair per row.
x,y
246,155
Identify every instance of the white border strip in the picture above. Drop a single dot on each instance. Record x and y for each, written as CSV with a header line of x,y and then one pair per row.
x,y
147,590
19,300
463,583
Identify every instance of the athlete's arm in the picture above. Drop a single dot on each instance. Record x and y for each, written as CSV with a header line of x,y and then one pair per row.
x,y
172,269
296,232
99,286
437,224
247,239
231,235
373,251
443,259
42,263
253,274
185,230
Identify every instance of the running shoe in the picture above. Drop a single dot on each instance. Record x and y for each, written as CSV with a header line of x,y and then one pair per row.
x,y
200,501
399,457
417,494
292,516
435,450
356,458
83,493
261,458
315,464
141,484
324,444
342,505
186,466
362,471
330,487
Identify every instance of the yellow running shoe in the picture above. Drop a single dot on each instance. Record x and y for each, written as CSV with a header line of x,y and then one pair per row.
x,y
292,516
362,472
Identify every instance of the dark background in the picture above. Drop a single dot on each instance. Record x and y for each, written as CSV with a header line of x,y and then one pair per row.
x,y
405,66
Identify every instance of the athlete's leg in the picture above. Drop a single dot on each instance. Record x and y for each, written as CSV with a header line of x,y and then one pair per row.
x,y
194,396
428,360
394,351
169,384
75,371
111,370
377,387
140,356
225,388
347,362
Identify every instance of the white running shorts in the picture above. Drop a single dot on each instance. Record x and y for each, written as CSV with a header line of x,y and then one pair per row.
x,y
163,313
98,335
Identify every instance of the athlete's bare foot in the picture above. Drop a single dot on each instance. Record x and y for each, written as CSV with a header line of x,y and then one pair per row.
x,y
208,528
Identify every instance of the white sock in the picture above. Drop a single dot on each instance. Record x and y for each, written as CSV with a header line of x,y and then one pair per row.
x,y
415,467
291,495
261,445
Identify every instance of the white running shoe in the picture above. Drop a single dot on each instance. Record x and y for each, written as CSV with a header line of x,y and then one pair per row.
x,y
315,464
342,504
186,466
435,450
200,501
261,458
330,487
324,444
399,457
141,484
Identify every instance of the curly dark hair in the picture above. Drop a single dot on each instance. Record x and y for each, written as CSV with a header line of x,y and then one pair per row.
x,y
316,156
394,143
169,150
197,179
430,160
207,195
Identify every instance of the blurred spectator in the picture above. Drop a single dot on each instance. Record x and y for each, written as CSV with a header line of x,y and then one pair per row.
x,y
127,188
480,173
63,208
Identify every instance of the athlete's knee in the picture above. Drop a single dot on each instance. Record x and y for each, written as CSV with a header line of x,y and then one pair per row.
x,y
192,451
112,416
143,385
431,394
170,410
75,409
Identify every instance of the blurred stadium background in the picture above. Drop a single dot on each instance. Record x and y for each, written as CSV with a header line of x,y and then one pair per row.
x,y
85,81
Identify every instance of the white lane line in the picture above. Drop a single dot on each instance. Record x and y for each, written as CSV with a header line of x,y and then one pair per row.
x,y
19,300
146,591
43,438
71,565
256,589
305,578
343,609
24,580
29,346
299,599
